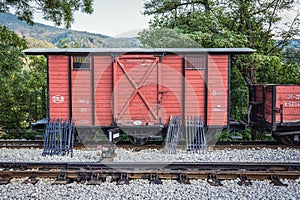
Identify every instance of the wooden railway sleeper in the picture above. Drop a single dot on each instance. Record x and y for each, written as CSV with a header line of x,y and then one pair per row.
x,y
276,181
213,180
244,181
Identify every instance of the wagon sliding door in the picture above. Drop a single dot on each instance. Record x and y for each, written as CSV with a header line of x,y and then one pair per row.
x,y
135,93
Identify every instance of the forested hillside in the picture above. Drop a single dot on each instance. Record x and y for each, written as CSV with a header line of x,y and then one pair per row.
x,y
62,37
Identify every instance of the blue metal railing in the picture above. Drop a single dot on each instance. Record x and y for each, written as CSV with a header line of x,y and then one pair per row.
x,y
59,137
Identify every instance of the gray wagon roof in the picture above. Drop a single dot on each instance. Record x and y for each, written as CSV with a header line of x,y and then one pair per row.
x,y
49,51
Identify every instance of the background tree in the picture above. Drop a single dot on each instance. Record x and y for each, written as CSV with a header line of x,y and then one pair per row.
x,y
11,65
218,23
236,23
58,11
21,78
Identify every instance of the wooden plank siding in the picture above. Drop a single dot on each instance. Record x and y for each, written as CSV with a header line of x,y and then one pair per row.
x,y
171,87
273,97
268,103
195,92
217,106
289,98
103,90
82,97
135,89
58,73
159,95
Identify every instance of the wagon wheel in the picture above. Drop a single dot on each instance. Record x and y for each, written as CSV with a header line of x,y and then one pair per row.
x,y
138,140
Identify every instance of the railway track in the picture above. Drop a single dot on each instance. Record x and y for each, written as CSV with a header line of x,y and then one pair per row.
x,y
150,145
218,145
21,144
122,173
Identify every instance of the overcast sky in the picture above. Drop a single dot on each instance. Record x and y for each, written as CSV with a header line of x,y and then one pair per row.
x,y
122,18
112,18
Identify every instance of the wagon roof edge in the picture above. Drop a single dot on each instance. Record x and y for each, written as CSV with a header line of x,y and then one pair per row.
x,y
49,51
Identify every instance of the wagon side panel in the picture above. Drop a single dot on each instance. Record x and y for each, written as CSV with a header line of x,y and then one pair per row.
x,y
58,77
287,104
170,92
268,103
135,91
82,97
258,95
217,96
103,76
195,85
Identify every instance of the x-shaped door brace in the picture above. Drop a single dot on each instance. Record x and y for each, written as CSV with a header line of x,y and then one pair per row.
x,y
136,87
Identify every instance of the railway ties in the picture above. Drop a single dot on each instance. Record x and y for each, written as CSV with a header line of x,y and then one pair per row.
x,y
155,173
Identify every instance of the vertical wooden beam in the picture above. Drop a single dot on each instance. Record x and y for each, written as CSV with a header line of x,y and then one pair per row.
x,y
70,86
115,89
93,90
159,90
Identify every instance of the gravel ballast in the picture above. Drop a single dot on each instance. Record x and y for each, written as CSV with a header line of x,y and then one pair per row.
x,y
157,155
141,189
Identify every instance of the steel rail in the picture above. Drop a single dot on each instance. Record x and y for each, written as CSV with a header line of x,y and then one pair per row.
x,y
151,144
152,171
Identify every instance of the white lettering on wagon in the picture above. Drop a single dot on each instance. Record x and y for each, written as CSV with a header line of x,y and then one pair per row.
x,y
293,96
58,99
218,93
83,110
218,108
83,101
81,122
292,104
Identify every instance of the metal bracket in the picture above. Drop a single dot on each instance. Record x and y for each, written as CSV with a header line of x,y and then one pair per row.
x,y
244,181
183,179
61,179
96,179
108,155
276,181
213,180
123,179
154,179
5,178
32,179
82,177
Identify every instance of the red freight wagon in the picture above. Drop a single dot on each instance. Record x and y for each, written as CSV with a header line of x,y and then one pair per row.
x,y
138,90
277,108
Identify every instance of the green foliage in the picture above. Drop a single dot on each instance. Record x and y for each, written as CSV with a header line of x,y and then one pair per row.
x,y
196,29
11,47
19,134
45,35
166,38
17,80
234,23
34,43
58,11
223,136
